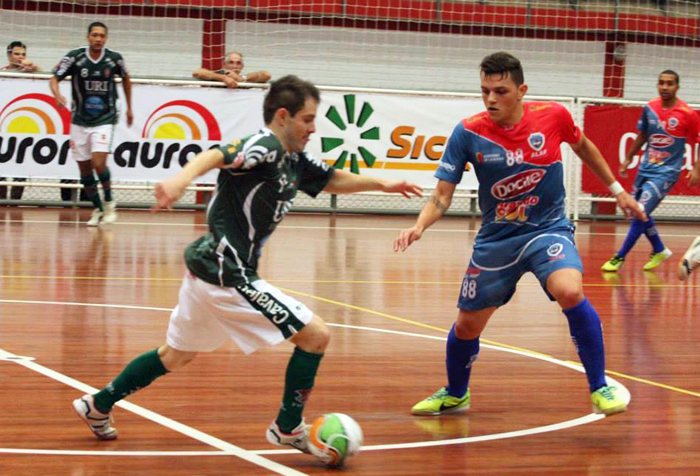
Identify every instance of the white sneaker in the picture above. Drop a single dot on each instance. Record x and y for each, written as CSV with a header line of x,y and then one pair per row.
x,y
110,214
690,260
298,438
99,423
96,218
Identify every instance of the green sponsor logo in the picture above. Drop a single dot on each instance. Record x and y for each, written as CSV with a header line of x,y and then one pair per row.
x,y
329,144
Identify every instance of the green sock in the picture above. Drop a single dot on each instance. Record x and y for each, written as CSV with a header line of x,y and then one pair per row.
x,y
140,372
106,184
298,384
90,186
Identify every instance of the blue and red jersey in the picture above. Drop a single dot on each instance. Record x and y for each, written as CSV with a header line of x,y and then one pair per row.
x,y
519,168
667,131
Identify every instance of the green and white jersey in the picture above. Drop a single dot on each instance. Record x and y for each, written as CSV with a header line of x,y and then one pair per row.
x,y
94,91
254,190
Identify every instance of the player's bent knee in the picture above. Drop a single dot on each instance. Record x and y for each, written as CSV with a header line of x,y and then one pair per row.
x,y
314,337
174,359
568,297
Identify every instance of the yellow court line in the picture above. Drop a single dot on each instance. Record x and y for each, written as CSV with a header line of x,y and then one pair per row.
x,y
401,319
377,313
654,384
487,341
336,281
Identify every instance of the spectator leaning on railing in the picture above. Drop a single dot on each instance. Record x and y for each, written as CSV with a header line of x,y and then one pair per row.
x,y
232,72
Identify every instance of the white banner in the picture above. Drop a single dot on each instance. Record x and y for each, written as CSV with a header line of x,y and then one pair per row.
x,y
389,135
171,125
374,134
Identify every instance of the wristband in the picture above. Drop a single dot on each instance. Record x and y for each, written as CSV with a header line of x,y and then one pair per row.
x,y
615,188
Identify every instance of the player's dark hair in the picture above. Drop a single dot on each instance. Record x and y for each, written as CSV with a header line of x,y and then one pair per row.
x,y
670,71
290,93
96,24
504,64
15,44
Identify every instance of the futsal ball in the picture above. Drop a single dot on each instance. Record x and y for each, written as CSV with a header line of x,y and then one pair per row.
x,y
333,437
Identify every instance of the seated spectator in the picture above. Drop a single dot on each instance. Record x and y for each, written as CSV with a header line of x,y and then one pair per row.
x,y
232,72
17,58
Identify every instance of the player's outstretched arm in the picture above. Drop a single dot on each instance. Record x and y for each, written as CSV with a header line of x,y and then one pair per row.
x,y
591,156
437,205
170,190
346,182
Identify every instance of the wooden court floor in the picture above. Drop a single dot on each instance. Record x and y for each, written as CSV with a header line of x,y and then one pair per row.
x,y
77,304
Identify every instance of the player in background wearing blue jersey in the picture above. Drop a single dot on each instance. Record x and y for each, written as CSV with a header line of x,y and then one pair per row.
x,y
514,148
666,125
222,297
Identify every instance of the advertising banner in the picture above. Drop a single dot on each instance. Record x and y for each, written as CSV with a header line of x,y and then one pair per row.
x,y
379,135
171,125
613,129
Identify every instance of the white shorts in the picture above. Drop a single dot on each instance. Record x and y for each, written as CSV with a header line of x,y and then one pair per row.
x,y
86,140
252,315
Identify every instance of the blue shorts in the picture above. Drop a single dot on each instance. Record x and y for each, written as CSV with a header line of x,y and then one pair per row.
x,y
496,267
650,191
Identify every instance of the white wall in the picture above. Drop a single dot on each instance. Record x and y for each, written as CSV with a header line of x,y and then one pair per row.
x,y
405,60
150,46
355,57
645,62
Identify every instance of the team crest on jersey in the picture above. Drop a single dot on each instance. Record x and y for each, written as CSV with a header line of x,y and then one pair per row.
x,y
536,141
672,123
107,73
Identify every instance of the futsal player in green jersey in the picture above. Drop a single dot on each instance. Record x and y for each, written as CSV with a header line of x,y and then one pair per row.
x,y
94,113
222,297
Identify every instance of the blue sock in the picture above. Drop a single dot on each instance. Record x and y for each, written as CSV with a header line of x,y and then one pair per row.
x,y
652,235
461,354
636,229
587,334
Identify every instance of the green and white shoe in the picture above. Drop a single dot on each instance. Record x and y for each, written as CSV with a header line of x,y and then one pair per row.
x,y
607,401
441,403
614,264
657,258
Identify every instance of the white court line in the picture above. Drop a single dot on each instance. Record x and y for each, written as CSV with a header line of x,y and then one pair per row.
x,y
419,444
337,228
161,420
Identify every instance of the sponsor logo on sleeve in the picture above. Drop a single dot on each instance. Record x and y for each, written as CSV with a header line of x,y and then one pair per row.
x,y
447,166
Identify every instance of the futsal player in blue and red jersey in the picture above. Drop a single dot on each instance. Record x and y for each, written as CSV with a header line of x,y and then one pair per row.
x,y
666,125
514,148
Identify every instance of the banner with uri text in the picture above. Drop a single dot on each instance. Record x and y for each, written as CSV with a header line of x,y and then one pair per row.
x,y
380,135
613,129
